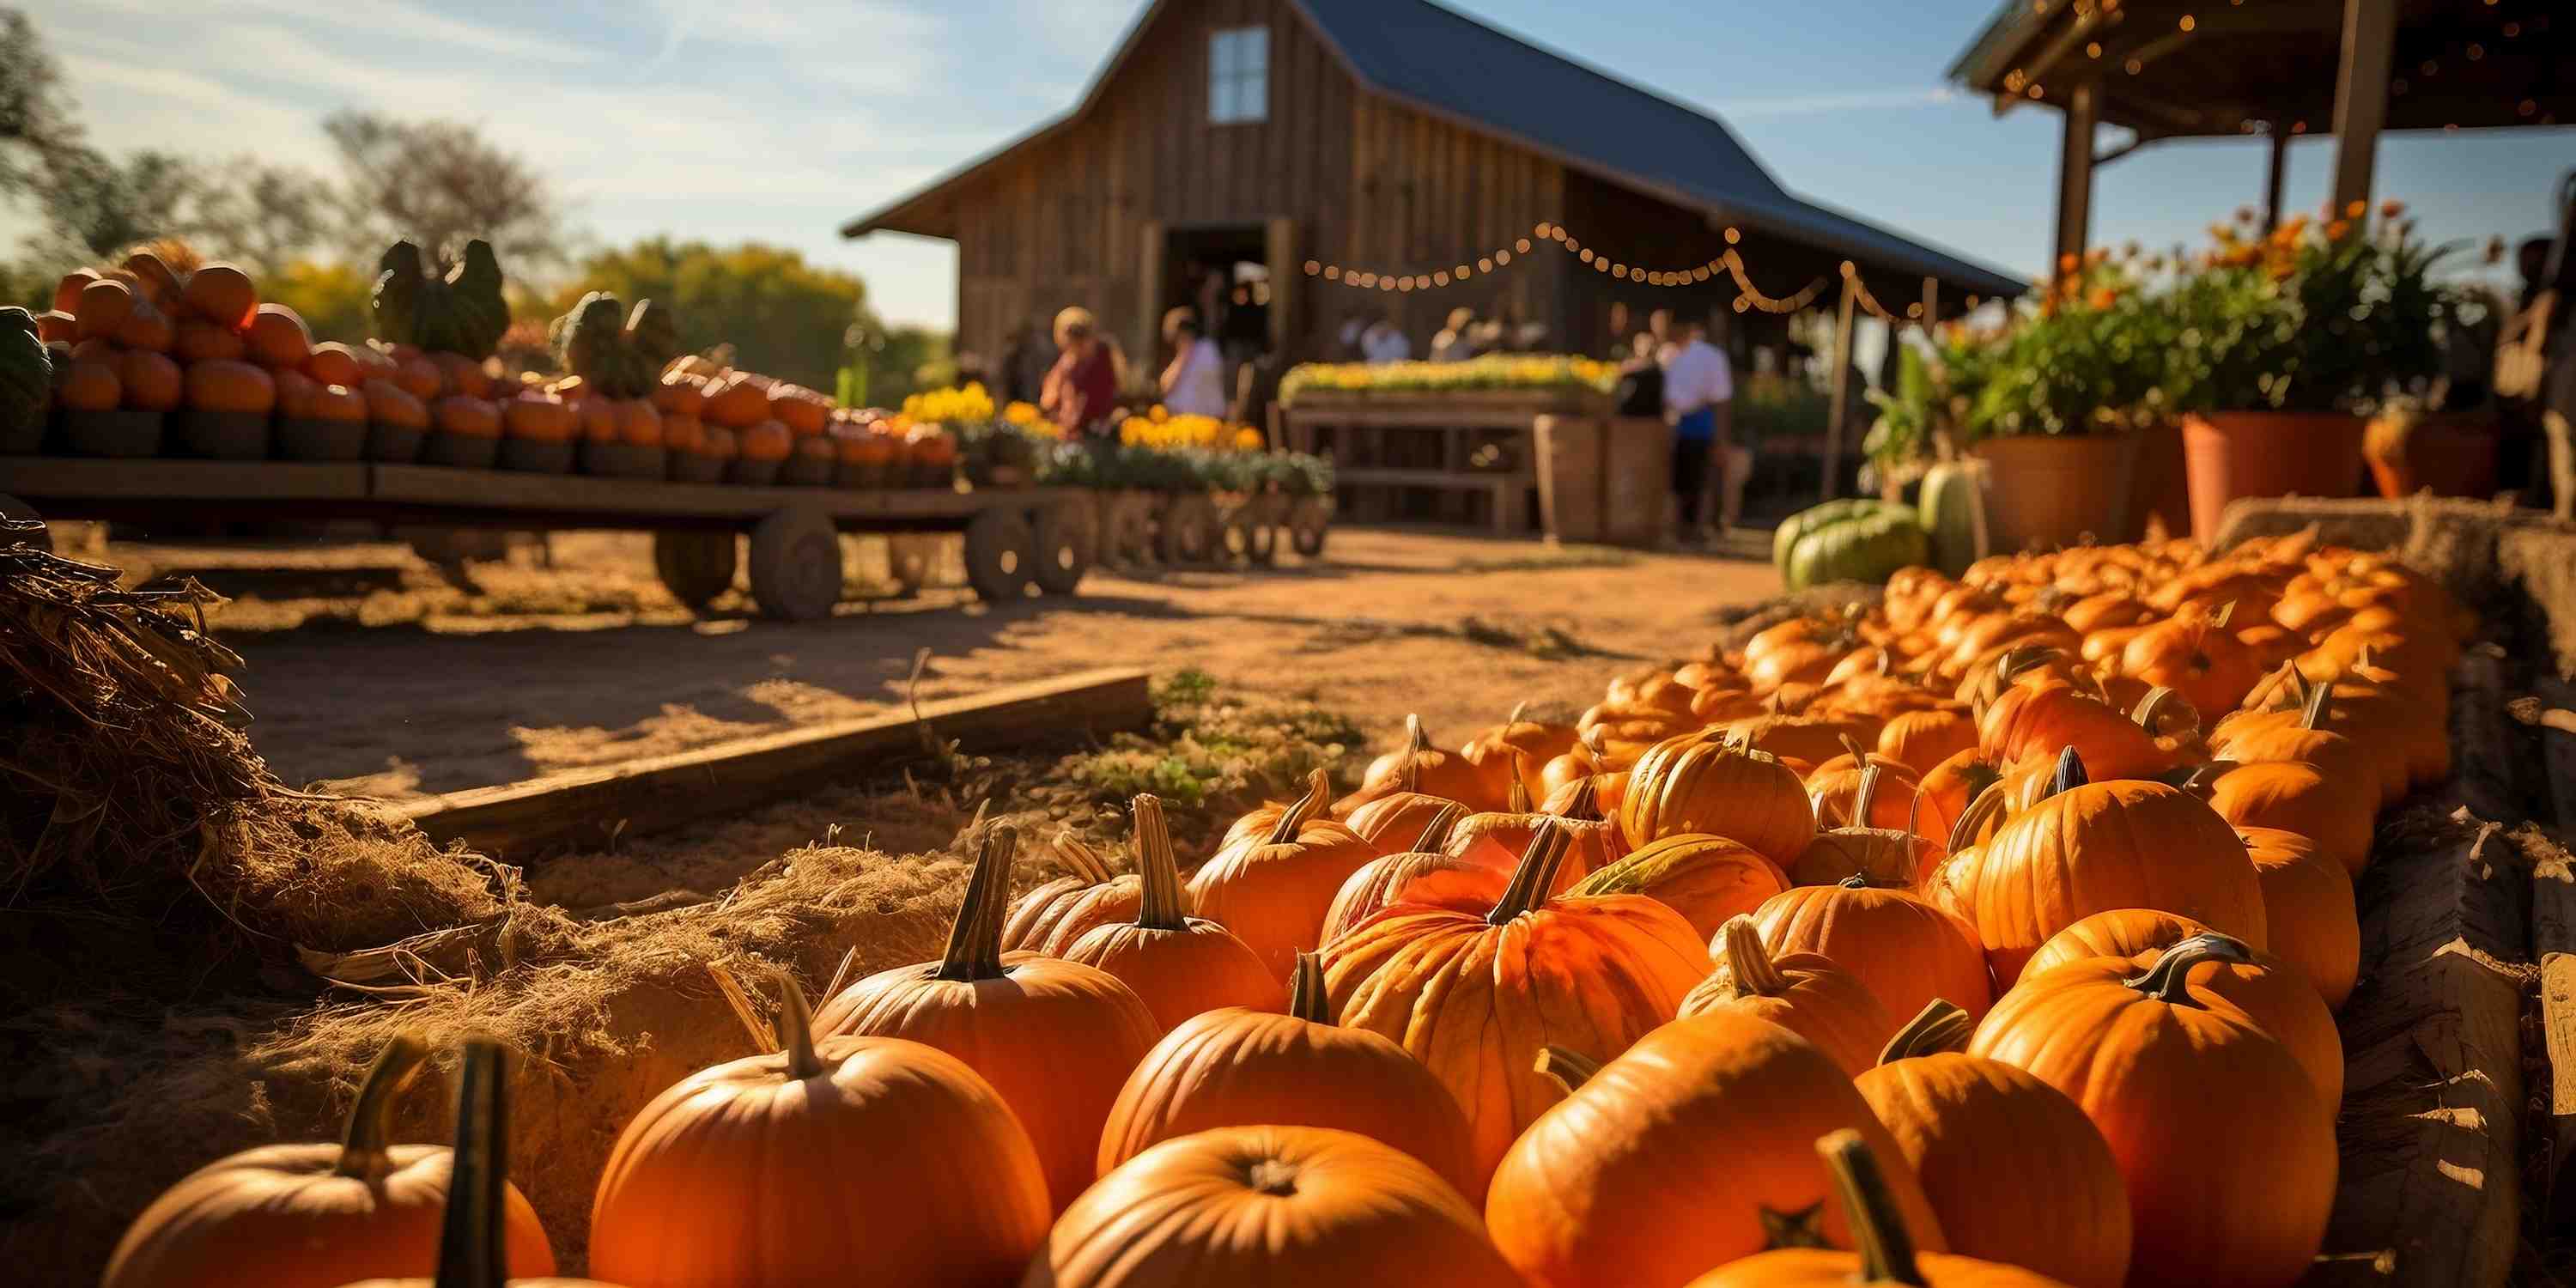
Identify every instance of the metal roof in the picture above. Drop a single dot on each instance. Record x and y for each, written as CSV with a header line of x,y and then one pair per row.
x,y
1451,66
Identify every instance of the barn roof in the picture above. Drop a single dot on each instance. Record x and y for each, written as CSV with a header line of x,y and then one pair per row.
x,y
1449,65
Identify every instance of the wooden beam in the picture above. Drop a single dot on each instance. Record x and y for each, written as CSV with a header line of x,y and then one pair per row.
x,y
2273,175
2361,94
1842,399
2075,176
590,808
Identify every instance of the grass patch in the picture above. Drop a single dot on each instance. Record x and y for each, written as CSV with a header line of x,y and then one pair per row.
x,y
1211,750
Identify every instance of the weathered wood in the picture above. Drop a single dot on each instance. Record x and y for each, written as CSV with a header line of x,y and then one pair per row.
x,y
80,478
592,807
2361,95
2075,175
2487,761
2553,946
2431,1120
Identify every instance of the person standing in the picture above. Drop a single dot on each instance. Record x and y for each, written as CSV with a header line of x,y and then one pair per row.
x,y
1194,383
1452,344
1384,342
1699,393
1081,391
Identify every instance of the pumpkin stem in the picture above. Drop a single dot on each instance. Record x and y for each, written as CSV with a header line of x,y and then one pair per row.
x,y
1161,908
2070,773
1755,973
1585,805
975,938
2313,711
1568,1069
1514,718
362,1142
1532,878
2226,612
1516,798
2159,703
796,1030
1307,999
1852,748
1435,834
1319,788
2168,980
1864,795
1074,853
1940,1026
1878,1226
471,1251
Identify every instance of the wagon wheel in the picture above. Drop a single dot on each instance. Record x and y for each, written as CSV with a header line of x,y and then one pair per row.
x,y
1001,555
796,565
1307,521
909,558
1130,536
1066,544
13,532
696,566
1261,518
1191,534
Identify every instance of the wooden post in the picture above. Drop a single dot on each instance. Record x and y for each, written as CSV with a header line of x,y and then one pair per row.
x,y
2272,177
2075,176
1931,305
2361,95
1842,392
1287,281
1149,303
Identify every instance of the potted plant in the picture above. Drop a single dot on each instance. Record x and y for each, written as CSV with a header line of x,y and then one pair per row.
x,y
2287,339
2056,405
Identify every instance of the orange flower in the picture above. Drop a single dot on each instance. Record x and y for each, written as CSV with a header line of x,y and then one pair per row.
x,y
2356,209
2391,208
2066,262
2335,231
2103,297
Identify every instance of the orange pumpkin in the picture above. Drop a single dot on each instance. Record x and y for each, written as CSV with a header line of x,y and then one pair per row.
x,y
536,416
787,1164
639,424
1179,965
1709,880
2308,910
680,394
2036,722
197,340
223,296
1475,997
147,381
595,417
339,405
1691,1149
801,409
737,404
1417,766
2120,932
683,432
2305,737
1519,749
1921,740
1242,1067
103,306
765,440
1802,992
1050,917
1904,948
1706,783
222,386
1883,1248
1268,1205
276,337
333,364
1274,891
2016,1170
390,404
67,291
467,416
2278,998
1869,846
2194,655
1498,840
2226,1147
146,328
2092,847
1055,1038
313,1216
296,393
1390,822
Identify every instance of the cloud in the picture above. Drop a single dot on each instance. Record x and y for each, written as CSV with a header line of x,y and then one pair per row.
x,y
412,25
1822,104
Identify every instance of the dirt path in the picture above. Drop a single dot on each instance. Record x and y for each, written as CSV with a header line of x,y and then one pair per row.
x,y
368,671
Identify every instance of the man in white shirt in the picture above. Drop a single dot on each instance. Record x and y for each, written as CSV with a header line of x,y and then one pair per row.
x,y
1699,392
1384,342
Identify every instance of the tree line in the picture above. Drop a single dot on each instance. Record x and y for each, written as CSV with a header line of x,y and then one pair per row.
x,y
312,238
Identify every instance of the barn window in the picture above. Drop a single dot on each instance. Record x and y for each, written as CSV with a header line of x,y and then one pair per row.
x,y
1239,75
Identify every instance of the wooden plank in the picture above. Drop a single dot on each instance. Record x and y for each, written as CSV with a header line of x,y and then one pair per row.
x,y
505,490
590,807
2553,945
2361,95
2075,176
83,478
2431,1121
1471,481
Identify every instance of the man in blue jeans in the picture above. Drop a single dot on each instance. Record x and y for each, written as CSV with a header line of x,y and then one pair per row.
x,y
1699,390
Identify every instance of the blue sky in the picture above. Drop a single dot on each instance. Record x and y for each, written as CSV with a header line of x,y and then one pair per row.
x,y
774,120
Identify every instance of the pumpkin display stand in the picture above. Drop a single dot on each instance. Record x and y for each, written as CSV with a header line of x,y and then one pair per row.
x,y
2054,490
537,456
2238,454
806,469
1309,519
1190,530
862,475
393,444
112,433
222,435
623,460
696,467
1251,528
462,451
26,438
750,472
303,439
933,475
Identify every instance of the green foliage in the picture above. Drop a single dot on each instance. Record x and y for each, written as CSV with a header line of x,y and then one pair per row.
x,y
334,299
2310,318
1775,407
1905,413
439,183
26,372
1208,748
783,316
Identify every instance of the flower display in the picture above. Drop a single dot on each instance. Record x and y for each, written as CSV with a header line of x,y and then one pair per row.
x,y
1498,371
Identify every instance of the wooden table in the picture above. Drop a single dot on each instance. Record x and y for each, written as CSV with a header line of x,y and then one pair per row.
x,y
1387,445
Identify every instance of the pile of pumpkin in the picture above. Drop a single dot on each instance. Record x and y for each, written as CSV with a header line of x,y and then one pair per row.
x,y
781,431
1937,943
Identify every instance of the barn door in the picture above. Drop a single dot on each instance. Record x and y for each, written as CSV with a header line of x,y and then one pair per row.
x,y
1154,249
1286,280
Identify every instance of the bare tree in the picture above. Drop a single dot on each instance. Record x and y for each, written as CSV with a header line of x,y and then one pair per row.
x,y
264,216
36,124
93,204
440,183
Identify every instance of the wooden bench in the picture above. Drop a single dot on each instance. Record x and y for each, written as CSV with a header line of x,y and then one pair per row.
x,y
1506,493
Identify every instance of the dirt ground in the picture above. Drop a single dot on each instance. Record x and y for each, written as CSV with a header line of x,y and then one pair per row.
x,y
373,674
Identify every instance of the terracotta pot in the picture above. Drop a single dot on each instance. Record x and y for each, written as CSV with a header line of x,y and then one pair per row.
x,y
2451,453
2048,490
2159,486
2237,454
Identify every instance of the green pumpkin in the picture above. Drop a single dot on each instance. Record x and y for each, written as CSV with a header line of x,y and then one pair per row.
x,y
461,312
26,373
618,354
1796,526
1948,511
1864,545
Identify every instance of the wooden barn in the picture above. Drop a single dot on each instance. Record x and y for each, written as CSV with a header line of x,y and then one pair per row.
x,y
1395,137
